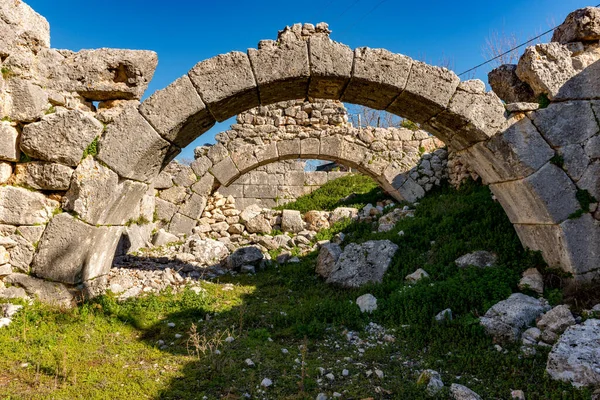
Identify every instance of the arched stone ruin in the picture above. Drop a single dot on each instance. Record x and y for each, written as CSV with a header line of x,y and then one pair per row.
x,y
540,163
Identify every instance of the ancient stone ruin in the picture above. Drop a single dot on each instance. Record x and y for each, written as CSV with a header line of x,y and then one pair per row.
x,y
74,173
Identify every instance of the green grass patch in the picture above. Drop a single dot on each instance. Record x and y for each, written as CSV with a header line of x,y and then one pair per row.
x,y
92,149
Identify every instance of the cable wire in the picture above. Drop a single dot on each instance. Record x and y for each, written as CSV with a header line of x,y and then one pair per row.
x,y
511,50
364,16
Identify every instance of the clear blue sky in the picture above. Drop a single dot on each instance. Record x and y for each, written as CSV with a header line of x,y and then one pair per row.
x,y
184,32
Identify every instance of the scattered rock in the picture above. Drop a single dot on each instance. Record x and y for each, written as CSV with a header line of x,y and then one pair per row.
x,y
445,315
250,255
460,392
533,280
480,258
417,276
328,256
554,322
367,303
432,380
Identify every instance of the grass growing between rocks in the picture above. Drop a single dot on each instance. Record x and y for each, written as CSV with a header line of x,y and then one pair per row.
x,y
347,191
290,324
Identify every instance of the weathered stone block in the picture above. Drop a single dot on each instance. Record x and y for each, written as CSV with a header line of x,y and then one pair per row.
x,y
226,83
180,224
546,67
310,147
201,165
186,176
52,293
43,176
260,191
177,112
60,137
99,197
266,153
291,221
316,178
164,210
546,197
232,190
568,122
22,28
225,171
590,180
244,159
507,85
6,171
20,206
331,147
21,254
72,251
132,148
175,195
205,185
288,148
353,154
580,25
330,67
164,180
378,76
282,72
9,142
427,93
294,178
193,206
514,154
27,102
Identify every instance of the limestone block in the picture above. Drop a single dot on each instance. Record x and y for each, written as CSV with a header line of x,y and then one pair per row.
x,y
107,74
52,293
288,148
373,164
353,154
592,147
514,154
575,161
27,102
175,195
410,190
226,84
427,93
282,71
294,178
584,84
546,67
310,147
566,123
378,76
232,190
225,171
330,67
331,147
186,176
22,27
71,251
9,142
289,192
260,191
180,224
99,197
21,255
164,180
545,197
205,185
164,210
5,172
132,148
60,137
177,112
201,165
266,153
580,25
193,206
43,175
315,178
33,233
572,245
507,85
217,153
20,206
244,159
590,180
291,221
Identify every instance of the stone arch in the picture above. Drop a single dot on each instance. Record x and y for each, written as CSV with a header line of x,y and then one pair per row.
x,y
514,154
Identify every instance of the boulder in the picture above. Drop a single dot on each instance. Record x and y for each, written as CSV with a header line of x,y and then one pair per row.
x,y
163,237
432,380
460,392
507,85
317,220
580,25
341,213
258,224
328,256
533,280
363,263
554,322
575,358
291,221
207,251
480,258
507,319
250,255
416,276
367,303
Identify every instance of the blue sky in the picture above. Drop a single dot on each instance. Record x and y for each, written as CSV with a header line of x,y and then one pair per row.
x,y
184,32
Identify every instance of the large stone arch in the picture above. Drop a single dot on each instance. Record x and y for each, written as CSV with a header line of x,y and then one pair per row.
x,y
516,154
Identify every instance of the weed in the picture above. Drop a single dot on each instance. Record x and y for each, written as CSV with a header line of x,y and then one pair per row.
x,y
558,160
92,149
543,100
585,199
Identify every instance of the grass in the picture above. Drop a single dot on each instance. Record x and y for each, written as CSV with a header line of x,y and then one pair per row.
x,y
92,149
108,349
347,191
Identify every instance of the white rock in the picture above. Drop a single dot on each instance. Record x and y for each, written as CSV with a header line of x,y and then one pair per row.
x,y
249,362
367,303
266,382
417,276
460,392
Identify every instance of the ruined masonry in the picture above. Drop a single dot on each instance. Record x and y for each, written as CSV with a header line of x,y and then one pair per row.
x,y
73,174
